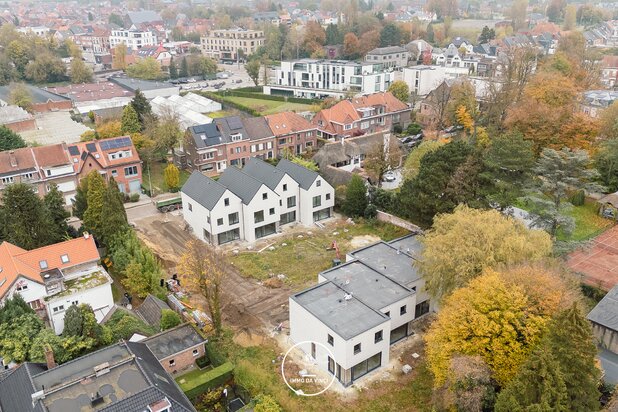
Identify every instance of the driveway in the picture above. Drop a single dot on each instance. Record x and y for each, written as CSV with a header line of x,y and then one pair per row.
x,y
396,183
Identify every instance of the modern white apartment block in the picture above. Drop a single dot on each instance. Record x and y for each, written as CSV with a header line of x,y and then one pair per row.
x,y
311,78
253,202
52,278
422,79
133,38
389,57
360,308
231,44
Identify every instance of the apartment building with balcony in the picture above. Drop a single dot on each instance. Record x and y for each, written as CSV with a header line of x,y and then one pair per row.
x,y
133,38
313,78
231,44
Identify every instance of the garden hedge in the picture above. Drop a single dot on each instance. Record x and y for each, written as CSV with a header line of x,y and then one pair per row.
x,y
208,380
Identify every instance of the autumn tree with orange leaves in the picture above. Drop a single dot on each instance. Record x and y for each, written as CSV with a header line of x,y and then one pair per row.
x,y
202,269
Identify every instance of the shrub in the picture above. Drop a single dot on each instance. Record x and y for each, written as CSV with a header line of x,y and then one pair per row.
x,y
578,198
397,129
169,319
202,361
134,197
214,355
414,128
370,211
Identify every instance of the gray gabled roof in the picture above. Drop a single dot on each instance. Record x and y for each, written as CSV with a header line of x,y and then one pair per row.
x,y
141,400
264,172
605,313
16,389
203,190
150,310
205,135
239,183
302,175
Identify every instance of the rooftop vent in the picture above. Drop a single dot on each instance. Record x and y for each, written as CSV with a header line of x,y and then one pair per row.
x,y
347,296
96,399
101,369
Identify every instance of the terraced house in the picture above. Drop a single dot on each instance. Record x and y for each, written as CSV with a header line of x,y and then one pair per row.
x,y
231,141
254,202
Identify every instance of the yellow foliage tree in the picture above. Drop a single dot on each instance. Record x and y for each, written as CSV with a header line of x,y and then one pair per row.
x,y
203,268
461,244
499,316
112,128
172,177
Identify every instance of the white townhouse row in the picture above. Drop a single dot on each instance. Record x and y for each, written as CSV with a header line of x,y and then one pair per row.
x,y
360,308
253,202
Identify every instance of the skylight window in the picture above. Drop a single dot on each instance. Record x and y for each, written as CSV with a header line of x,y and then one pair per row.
x,y
43,264
64,258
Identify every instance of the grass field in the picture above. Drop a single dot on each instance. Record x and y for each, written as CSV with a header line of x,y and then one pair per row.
x,y
158,179
219,114
270,106
301,259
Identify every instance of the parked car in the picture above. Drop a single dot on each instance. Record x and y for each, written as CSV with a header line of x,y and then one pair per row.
x,y
389,176
191,80
238,80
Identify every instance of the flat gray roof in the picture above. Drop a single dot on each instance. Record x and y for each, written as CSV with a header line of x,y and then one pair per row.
x,y
347,318
408,244
605,313
132,84
364,283
172,341
389,261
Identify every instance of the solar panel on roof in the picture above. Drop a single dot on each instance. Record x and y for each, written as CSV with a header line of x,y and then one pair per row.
x,y
234,123
91,147
84,155
73,150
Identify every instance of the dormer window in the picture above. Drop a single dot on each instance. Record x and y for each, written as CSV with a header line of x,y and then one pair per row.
x,y
236,137
64,258
43,264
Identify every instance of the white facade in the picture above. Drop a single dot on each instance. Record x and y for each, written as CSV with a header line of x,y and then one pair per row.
x,y
133,38
262,212
324,195
207,224
312,78
423,79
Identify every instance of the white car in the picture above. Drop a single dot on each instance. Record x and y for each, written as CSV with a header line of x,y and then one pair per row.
x,y
389,176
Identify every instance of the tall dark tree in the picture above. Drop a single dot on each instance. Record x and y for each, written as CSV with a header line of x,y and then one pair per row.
x,y
141,106
113,213
184,68
173,69
10,140
356,197
538,386
423,197
390,35
25,220
486,35
572,343
54,201
333,35
80,204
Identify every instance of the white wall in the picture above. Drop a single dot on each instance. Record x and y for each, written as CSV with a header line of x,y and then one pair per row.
x,y
429,77
34,290
394,309
99,298
197,217
306,199
257,204
292,190
306,327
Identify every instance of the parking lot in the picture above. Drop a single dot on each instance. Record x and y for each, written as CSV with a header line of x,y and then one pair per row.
x,y
234,76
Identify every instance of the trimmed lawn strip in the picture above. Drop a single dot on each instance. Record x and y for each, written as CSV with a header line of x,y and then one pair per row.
x,y
266,107
158,177
300,260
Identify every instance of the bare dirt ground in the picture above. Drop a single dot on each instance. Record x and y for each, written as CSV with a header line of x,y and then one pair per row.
x,y
249,306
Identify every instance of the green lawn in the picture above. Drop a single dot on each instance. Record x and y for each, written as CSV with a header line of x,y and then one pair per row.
x,y
158,179
270,106
588,223
300,260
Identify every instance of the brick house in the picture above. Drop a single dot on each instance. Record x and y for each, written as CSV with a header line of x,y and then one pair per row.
x,y
116,157
361,115
177,349
293,133
39,166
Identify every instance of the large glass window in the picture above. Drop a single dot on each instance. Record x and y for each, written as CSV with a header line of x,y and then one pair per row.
x,y
287,218
291,201
233,218
317,201
321,214
366,366
399,333
258,216
229,236
421,309
265,230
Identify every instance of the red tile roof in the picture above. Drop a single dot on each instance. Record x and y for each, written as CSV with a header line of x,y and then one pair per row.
x,y
16,262
93,150
287,122
345,111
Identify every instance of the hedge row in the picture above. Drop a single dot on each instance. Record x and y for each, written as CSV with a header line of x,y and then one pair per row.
x,y
274,97
208,380
216,358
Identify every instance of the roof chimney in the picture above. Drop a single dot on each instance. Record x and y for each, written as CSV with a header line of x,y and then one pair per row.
x,y
86,235
49,357
12,158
